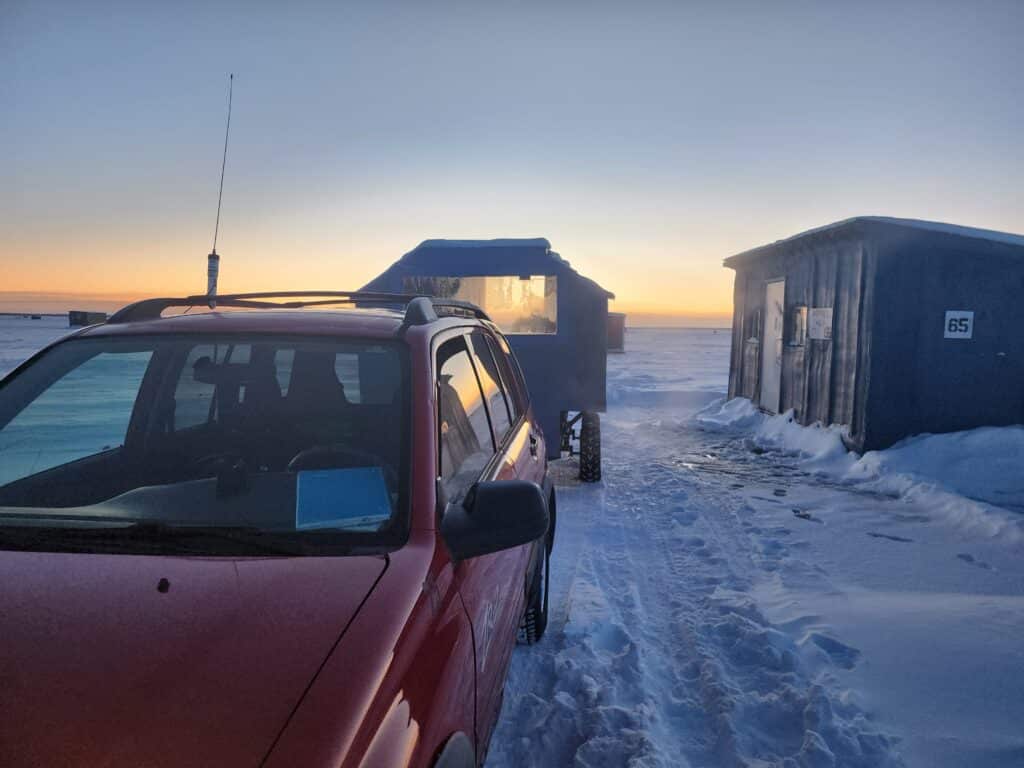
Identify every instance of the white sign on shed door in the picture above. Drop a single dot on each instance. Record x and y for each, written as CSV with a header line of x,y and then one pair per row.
x,y
959,324
820,323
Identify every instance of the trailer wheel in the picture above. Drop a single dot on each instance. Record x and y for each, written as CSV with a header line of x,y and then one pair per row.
x,y
590,447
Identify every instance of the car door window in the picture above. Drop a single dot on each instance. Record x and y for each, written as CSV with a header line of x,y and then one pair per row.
x,y
346,368
466,443
193,399
196,399
102,391
522,394
490,382
508,379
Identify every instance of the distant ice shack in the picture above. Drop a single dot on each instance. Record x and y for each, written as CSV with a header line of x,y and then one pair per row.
x,y
556,319
890,327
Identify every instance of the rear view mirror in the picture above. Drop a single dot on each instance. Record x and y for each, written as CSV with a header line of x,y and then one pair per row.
x,y
495,515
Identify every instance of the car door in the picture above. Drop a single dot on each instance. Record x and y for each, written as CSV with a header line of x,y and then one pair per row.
x,y
492,586
524,451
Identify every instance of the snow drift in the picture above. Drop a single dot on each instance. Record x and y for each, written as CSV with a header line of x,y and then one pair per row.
x,y
974,478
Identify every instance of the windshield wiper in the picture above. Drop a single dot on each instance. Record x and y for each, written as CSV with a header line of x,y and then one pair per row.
x,y
147,537
250,536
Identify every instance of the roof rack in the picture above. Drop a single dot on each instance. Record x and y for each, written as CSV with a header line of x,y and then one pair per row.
x,y
415,306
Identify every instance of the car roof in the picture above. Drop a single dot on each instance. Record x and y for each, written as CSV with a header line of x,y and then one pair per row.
x,y
372,322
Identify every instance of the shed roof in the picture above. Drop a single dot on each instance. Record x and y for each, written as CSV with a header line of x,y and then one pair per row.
x,y
932,226
501,256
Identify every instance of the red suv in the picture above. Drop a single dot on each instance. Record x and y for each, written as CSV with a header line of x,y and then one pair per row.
x,y
277,536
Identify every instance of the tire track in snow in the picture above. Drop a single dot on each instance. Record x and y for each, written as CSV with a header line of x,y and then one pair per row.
x,y
663,658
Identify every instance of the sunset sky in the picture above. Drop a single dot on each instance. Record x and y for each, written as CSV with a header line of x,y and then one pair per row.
x,y
646,141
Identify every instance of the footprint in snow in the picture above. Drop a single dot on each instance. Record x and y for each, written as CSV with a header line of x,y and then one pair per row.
x,y
780,491
683,516
841,654
806,516
901,539
612,639
972,560
912,518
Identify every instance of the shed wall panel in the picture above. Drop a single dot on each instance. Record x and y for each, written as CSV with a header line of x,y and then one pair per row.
x,y
819,352
846,326
888,371
923,382
736,366
819,376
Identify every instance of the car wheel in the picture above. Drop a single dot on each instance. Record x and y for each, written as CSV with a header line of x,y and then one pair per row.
x,y
590,447
457,753
535,620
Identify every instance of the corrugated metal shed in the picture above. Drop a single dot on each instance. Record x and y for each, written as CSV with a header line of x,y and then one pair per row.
x,y
891,327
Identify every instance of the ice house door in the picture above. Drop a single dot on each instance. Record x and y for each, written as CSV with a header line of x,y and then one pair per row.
x,y
771,345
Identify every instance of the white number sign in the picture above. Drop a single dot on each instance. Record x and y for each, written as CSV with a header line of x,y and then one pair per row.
x,y
959,324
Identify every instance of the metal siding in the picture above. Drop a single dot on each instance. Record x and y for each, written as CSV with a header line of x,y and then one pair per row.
x,y
862,381
736,352
794,381
819,352
799,270
846,326
751,369
888,372
819,378
746,351
923,382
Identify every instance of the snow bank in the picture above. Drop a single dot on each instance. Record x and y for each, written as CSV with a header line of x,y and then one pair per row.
x,y
972,478
820,447
985,464
738,414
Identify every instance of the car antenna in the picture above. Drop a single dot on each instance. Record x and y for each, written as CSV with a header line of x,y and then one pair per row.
x,y
213,260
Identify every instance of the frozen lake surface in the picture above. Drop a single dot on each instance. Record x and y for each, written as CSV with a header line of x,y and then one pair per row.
x,y
21,337
739,591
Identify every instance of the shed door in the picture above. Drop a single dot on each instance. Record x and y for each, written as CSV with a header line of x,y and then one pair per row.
x,y
771,345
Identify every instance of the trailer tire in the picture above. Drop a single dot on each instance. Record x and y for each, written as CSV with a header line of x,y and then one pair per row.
x,y
590,447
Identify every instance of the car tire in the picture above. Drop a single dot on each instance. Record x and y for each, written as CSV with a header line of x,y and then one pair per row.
x,y
590,447
535,620
457,753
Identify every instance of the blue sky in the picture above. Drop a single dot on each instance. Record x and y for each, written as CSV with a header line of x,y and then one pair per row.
x,y
647,141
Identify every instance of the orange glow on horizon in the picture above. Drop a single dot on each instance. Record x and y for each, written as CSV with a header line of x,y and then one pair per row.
x,y
111,273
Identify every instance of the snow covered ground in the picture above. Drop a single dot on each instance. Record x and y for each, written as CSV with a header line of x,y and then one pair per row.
x,y
21,337
740,591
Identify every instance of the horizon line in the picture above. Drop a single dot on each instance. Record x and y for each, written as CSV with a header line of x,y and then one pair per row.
x,y
47,302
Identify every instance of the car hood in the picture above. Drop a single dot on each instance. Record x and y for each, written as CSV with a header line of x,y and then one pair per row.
x,y
150,661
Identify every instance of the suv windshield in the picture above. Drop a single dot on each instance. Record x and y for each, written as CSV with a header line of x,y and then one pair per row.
x,y
130,443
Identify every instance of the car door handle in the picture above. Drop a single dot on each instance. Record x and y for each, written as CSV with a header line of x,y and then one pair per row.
x,y
533,445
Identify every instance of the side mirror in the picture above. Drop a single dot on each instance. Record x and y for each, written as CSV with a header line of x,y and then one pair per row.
x,y
495,515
